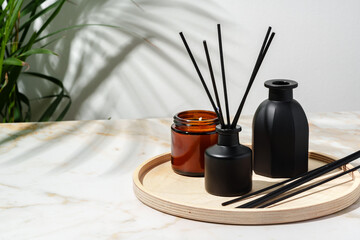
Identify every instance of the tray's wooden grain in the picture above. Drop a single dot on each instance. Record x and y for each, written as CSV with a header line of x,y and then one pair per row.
x,y
156,185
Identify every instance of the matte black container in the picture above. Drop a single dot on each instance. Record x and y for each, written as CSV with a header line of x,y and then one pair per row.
x,y
228,165
280,133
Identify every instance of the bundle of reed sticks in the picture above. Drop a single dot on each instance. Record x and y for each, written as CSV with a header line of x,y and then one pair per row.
x,y
217,107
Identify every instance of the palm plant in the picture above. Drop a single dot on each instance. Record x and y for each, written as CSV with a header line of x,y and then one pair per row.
x,y
17,44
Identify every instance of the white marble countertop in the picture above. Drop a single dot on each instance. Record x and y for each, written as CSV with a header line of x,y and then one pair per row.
x,y
73,180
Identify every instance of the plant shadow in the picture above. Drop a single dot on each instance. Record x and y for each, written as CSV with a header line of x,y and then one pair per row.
x,y
98,61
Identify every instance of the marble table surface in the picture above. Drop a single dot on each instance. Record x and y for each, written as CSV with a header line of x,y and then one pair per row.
x,y
73,180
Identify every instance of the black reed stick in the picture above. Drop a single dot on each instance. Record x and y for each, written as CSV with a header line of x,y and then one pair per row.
x,y
223,75
259,191
273,186
214,85
309,187
199,73
261,56
265,40
310,176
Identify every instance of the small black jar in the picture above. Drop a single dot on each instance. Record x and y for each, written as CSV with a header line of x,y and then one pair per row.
x,y
228,165
280,133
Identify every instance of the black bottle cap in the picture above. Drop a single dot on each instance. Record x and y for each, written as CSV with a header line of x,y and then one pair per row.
x,y
281,84
228,131
281,89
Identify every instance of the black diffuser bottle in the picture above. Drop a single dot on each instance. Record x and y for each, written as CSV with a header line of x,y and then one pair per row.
x,y
228,165
280,133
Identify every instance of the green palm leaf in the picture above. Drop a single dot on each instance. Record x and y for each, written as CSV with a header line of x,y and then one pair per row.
x,y
39,14
13,61
37,51
31,7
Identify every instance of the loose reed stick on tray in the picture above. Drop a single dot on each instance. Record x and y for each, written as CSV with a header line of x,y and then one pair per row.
x,y
308,188
272,186
258,191
308,177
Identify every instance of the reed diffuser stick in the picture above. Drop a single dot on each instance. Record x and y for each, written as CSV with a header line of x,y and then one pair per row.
x,y
308,177
309,187
265,40
199,73
273,186
223,75
214,84
261,56
258,191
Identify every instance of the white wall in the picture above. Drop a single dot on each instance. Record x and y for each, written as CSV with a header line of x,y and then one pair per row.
x,y
116,73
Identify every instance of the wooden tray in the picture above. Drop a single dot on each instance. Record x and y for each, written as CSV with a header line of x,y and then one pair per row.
x,y
156,185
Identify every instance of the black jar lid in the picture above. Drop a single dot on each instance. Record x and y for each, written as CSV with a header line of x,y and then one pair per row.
x,y
281,84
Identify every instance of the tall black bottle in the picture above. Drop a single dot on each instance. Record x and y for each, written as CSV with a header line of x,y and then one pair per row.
x,y
228,165
280,133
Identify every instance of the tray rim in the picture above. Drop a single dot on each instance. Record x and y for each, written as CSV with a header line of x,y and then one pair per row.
x,y
190,211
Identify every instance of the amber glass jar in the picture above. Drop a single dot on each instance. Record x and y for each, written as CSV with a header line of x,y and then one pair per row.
x,y
192,133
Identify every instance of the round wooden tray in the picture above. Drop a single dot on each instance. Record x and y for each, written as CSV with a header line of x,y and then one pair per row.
x,y
156,185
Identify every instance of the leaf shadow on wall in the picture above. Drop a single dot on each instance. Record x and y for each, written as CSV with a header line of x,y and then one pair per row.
x,y
122,72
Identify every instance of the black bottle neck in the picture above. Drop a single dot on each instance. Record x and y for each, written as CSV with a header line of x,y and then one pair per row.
x,y
280,94
280,89
228,137
228,140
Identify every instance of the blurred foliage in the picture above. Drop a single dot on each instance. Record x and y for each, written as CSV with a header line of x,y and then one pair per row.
x,y
18,42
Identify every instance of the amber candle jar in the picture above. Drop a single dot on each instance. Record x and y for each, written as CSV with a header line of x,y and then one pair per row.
x,y
191,134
